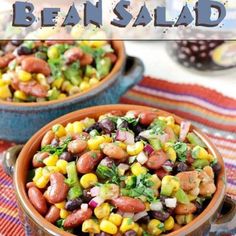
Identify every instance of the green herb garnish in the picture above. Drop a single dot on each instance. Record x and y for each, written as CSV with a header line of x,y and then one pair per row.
x,y
181,151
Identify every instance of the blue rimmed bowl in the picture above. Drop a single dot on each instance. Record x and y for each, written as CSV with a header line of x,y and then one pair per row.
x,y
19,121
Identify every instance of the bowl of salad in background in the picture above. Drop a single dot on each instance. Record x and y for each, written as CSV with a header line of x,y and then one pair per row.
x,y
119,170
41,80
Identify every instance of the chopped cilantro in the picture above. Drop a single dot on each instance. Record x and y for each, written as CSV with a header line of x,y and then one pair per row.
x,y
181,151
129,221
94,155
157,126
161,226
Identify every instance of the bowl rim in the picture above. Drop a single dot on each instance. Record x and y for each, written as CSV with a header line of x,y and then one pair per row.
x,y
119,48
39,220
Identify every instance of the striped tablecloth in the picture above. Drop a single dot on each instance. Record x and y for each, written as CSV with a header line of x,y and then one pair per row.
x,y
214,113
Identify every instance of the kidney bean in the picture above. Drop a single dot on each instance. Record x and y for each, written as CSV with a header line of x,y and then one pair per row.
x,y
74,204
180,167
58,189
147,117
67,157
114,152
216,168
30,184
95,126
38,200
23,50
5,60
188,180
86,195
199,207
168,165
36,65
87,59
111,56
47,138
184,209
73,54
38,159
55,142
161,173
160,215
77,218
88,161
128,204
83,136
53,214
77,146
156,160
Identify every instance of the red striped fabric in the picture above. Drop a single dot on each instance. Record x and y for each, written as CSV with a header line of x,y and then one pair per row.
x,y
213,112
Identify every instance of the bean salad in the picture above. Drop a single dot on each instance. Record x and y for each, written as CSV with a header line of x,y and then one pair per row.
x,y
131,174
38,71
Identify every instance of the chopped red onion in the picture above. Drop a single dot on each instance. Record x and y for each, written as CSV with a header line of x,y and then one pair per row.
x,y
171,202
139,215
125,136
184,129
163,138
97,201
95,191
148,134
156,206
128,215
142,158
148,149
84,207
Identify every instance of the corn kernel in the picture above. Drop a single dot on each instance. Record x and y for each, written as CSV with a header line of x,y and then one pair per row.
x,y
62,164
108,227
58,82
64,213
59,130
115,219
42,182
7,78
60,205
102,211
107,139
176,129
2,83
199,153
51,169
62,96
137,169
38,174
210,158
170,121
192,197
156,181
147,206
140,231
171,154
93,81
87,122
94,143
84,86
121,144
153,227
78,127
88,180
97,44
127,224
5,92
169,223
90,226
51,160
135,149
66,86
20,95
69,128
136,227
24,76
53,52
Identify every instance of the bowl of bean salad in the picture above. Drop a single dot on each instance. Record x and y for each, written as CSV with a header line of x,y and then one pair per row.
x,y
119,170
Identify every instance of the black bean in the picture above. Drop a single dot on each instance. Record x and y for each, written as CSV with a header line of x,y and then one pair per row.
x,y
86,195
144,220
92,127
180,167
160,215
72,205
22,50
137,129
16,42
216,168
107,126
67,156
130,233
168,166
140,138
162,199
199,207
124,125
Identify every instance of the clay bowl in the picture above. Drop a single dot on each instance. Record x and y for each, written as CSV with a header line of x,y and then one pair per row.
x,y
39,226
19,121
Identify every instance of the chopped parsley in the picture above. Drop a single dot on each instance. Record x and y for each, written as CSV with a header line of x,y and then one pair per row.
x,y
57,150
181,151
157,126
161,226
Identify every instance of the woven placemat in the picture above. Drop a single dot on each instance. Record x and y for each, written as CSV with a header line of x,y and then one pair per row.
x,y
211,111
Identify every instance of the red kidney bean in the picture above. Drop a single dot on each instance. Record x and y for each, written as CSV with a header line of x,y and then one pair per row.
x,y
58,189
112,57
73,54
128,204
53,214
184,209
77,218
47,138
156,160
114,152
38,200
77,146
38,159
87,59
5,60
88,161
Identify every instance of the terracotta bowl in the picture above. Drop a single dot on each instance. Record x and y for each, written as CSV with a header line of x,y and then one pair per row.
x,y
19,121
39,226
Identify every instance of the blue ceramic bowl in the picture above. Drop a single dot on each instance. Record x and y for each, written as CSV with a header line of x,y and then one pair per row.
x,y
19,121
